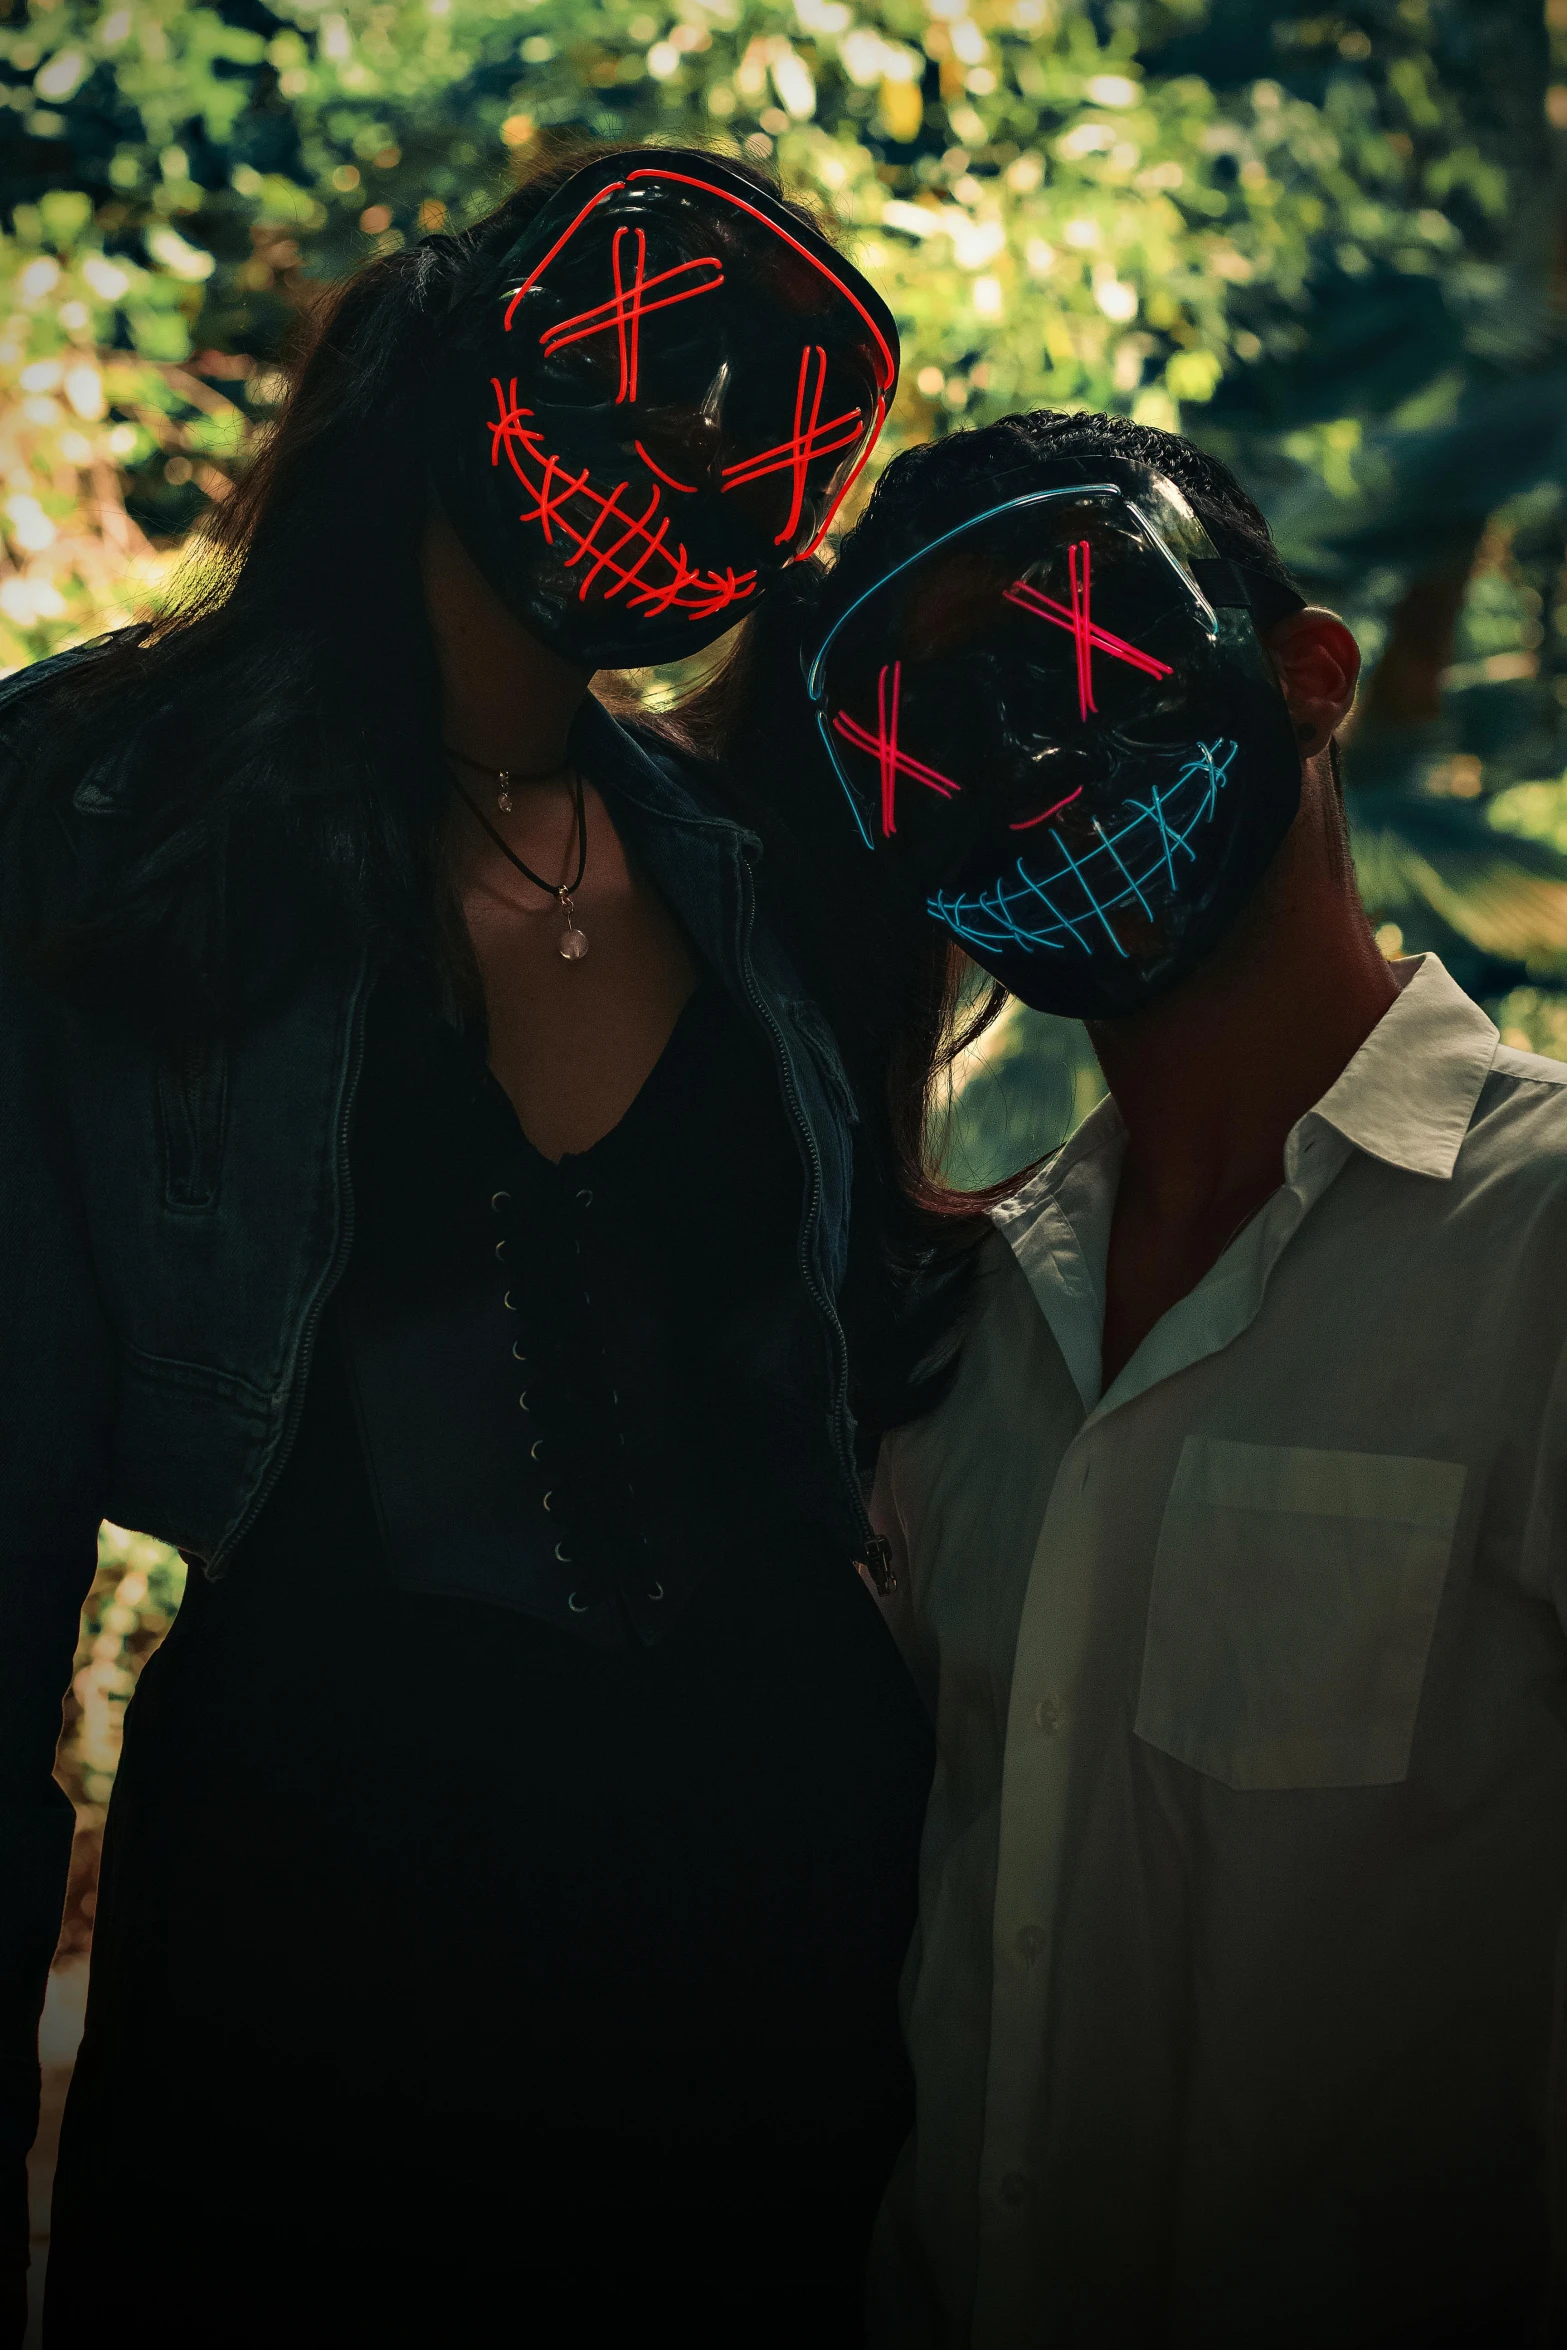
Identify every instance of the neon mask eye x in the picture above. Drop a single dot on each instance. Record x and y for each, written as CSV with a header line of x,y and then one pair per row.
x,y
1060,721
657,406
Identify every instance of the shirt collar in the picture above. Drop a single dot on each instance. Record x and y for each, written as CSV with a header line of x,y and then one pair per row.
x,y
1406,1098
1409,1094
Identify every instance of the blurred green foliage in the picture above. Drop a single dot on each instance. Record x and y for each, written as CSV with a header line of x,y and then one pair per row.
x,y
134,1596
1326,240
1066,203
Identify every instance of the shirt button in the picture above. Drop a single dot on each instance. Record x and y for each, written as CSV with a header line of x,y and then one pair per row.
x,y
1031,1942
1013,2188
584,1199
1049,1714
500,1201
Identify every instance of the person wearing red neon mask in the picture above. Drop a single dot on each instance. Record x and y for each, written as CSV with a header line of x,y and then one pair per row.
x,y
433,1130
657,406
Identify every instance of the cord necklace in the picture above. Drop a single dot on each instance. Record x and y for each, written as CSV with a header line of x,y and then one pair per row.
x,y
573,941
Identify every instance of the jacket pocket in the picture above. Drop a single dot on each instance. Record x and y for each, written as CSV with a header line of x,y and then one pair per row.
x,y
1294,1597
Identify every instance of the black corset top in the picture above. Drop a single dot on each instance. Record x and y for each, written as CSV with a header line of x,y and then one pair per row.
x,y
581,1386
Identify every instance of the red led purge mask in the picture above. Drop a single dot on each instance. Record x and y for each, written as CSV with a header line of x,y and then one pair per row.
x,y
657,407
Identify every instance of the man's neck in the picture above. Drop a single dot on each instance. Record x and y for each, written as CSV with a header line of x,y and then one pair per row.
x,y
1210,1082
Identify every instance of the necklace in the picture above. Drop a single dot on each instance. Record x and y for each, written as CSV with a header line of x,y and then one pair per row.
x,y
573,942
503,777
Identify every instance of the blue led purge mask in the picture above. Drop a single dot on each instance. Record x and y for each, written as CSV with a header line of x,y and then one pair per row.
x,y
1059,720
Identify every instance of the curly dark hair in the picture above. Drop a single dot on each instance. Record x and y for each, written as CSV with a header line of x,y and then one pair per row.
x,y
931,488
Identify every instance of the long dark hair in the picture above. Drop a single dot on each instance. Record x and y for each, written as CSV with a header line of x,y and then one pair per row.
x,y
274,732
284,705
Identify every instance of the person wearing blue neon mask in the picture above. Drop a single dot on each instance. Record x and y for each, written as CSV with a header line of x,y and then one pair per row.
x,y
1047,699
1235,1562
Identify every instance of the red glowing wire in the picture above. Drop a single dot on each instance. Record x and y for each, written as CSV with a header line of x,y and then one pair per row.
x,y
1081,624
689,487
627,307
800,452
850,478
621,321
1029,822
675,585
612,313
885,749
684,179
1086,634
888,366
534,274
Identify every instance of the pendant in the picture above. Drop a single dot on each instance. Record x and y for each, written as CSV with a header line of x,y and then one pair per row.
x,y
503,792
573,942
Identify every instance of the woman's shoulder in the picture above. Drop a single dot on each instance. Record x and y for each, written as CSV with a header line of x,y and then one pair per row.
x,y
41,708
21,689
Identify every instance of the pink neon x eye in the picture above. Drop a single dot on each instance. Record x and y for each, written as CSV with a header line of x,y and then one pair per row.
x,y
884,748
1087,637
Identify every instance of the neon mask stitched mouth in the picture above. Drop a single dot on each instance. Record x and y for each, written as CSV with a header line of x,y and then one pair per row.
x,y
659,405
1057,718
1020,912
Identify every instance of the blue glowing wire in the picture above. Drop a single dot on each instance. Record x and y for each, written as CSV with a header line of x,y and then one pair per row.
x,y
964,915
1086,489
1131,884
1089,895
1029,882
850,793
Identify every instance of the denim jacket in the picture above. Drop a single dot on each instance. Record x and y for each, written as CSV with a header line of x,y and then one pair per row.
x,y
170,1236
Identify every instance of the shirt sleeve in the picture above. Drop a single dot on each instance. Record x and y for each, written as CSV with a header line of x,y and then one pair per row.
x,y
56,1390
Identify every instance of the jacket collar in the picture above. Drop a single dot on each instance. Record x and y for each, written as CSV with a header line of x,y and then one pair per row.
x,y
648,777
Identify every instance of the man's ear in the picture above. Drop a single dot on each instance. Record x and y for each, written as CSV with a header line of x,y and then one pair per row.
x,y
1318,664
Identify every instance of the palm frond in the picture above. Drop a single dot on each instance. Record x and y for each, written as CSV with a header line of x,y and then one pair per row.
x,y
1417,855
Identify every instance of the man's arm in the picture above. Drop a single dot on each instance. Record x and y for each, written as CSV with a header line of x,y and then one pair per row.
x,y
56,1395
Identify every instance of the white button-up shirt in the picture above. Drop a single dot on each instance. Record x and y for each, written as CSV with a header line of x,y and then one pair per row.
x,y
1234,2002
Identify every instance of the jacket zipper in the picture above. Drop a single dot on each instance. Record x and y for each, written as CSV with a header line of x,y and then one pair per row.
x,y
876,1554
305,1351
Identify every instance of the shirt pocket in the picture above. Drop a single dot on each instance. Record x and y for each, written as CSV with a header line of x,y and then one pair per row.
x,y
1294,1597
